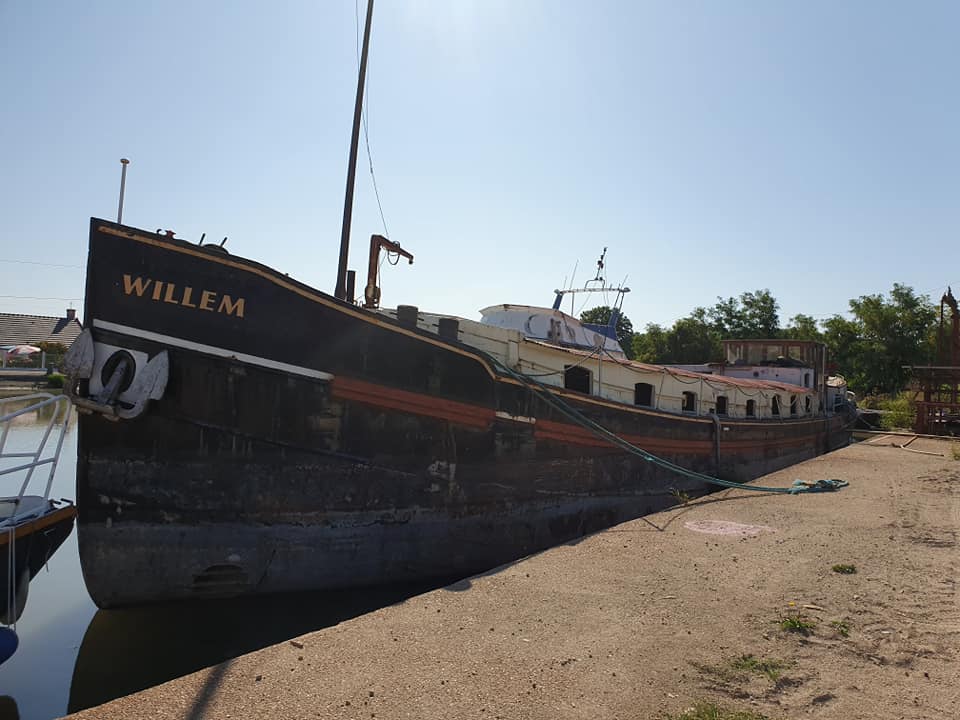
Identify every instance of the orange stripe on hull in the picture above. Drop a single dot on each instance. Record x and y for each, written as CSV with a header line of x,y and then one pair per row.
x,y
404,401
481,418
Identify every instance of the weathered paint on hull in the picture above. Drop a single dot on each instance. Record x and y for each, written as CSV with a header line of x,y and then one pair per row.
x,y
386,454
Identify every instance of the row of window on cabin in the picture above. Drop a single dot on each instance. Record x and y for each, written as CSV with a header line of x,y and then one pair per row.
x,y
643,395
644,391
579,379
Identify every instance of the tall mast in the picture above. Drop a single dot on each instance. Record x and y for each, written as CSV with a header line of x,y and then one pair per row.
x,y
341,291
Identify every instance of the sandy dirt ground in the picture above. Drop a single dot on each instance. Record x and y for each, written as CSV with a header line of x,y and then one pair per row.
x,y
647,618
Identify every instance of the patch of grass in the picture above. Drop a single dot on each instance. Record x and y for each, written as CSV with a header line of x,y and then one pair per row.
x,y
706,710
738,670
841,626
844,569
760,666
680,496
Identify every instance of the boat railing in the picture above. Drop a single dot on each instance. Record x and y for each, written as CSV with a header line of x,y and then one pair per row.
x,y
46,453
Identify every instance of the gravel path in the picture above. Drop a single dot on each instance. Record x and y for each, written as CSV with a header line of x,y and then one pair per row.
x,y
647,618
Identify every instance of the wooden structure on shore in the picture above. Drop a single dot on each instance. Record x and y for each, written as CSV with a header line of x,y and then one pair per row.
x,y
938,385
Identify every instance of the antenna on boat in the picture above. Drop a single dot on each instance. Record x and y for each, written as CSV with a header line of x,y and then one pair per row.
x,y
588,288
123,182
341,289
599,278
572,278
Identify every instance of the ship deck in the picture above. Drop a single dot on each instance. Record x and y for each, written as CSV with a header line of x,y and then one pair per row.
x,y
647,618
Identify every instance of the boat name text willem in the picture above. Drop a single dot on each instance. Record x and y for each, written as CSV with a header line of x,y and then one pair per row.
x,y
160,291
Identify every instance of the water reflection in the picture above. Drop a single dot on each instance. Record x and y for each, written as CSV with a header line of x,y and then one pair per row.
x,y
127,650
39,417
72,656
34,683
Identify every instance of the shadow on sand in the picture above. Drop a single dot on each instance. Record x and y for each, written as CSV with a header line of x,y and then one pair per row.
x,y
128,650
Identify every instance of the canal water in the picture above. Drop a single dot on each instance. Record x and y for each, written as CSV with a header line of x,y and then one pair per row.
x,y
73,656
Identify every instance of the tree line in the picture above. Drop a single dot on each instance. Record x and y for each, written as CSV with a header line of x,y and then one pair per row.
x,y
870,348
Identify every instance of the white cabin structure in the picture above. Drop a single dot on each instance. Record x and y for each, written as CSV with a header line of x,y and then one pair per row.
x,y
764,380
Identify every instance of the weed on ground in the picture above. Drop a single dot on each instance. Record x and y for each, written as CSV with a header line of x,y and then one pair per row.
x,y
705,710
681,497
760,666
794,622
841,626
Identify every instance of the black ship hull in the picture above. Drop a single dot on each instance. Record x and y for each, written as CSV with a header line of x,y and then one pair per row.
x,y
297,442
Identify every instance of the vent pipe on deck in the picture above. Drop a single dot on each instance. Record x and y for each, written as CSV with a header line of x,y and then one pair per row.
x,y
448,328
408,315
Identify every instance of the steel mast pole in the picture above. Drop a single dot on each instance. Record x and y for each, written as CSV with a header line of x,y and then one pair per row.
x,y
341,291
123,184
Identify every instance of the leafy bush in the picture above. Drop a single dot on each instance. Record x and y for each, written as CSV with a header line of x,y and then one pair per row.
x,y
55,380
900,412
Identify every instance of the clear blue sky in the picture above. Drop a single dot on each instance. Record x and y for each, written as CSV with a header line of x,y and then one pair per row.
x,y
812,148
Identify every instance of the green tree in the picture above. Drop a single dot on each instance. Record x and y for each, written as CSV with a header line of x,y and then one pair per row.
x,y
883,335
601,316
694,339
802,327
751,316
651,346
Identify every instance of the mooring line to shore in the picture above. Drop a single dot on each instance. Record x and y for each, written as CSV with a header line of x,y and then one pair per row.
x,y
799,486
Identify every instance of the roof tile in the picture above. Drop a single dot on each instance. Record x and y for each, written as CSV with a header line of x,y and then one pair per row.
x,y
18,329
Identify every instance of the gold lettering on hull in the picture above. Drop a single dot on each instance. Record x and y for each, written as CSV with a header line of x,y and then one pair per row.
x,y
206,300
228,306
171,293
135,285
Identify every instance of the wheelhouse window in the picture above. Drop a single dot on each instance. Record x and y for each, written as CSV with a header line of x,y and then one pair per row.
x,y
689,401
775,406
806,379
751,408
793,406
643,394
577,378
721,405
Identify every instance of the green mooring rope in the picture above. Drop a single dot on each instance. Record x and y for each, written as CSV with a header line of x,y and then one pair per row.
x,y
799,486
